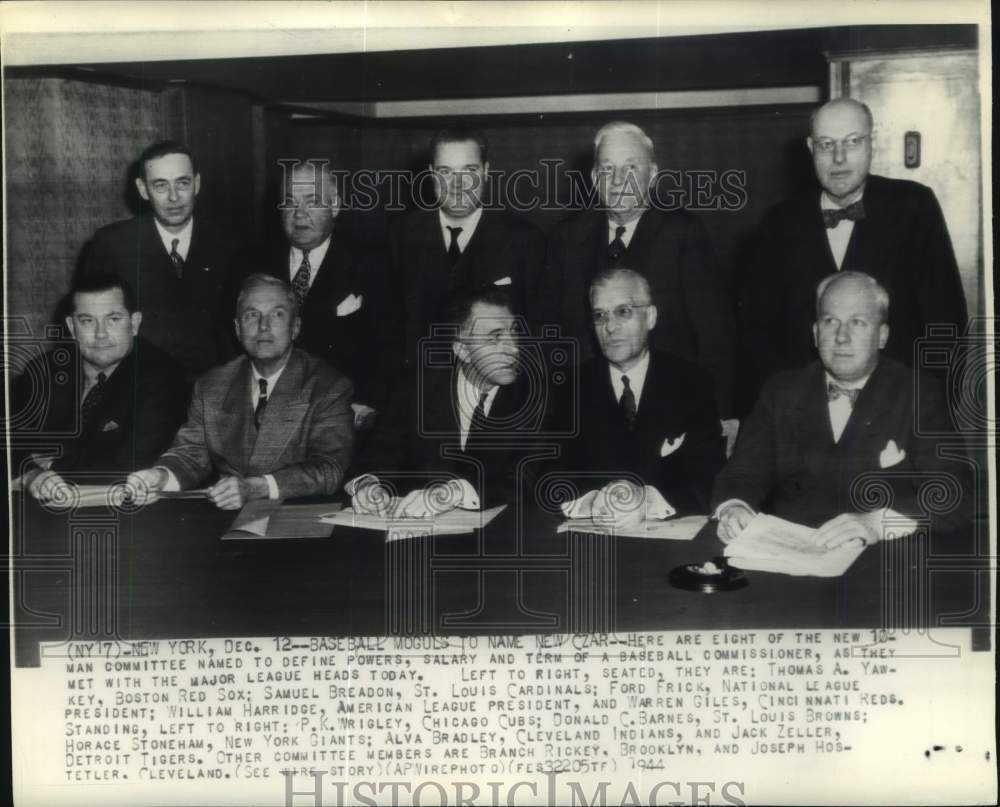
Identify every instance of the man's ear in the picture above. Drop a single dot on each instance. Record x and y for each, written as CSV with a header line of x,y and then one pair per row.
x,y
70,326
136,318
296,327
197,184
140,185
236,327
815,330
883,335
461,351
809,144
651,313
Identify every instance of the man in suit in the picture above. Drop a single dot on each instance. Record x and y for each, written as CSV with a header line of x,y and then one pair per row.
x,y
459,245
669,248
341,285
890,229
472,419
818,432
119,407
178,264
649,427
273,424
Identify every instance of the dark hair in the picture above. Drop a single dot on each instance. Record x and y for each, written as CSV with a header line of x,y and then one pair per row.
x,y
162,149
93,282
458,135
459,307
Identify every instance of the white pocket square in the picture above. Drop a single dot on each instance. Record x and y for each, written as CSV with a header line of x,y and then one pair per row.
x,y
503,281
110,426
670,446
350,304
891,455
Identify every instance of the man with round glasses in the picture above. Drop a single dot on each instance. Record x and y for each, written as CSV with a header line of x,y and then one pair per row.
x,y
649,428
889,228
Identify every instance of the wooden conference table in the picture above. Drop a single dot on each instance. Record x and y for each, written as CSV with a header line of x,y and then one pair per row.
x,y
163,572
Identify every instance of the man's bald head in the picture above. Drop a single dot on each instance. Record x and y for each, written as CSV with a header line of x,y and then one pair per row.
x,y
841,146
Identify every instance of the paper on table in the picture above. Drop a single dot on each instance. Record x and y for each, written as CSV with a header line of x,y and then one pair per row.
x,y
676,529
454,522
771,544
273,519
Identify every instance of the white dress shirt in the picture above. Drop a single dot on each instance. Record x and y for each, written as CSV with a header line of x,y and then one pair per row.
x,y
840,408
839,236
468,399
183,238
636,379
316,256
468,225
629,230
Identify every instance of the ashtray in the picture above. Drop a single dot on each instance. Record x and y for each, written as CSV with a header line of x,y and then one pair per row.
x,y
715,575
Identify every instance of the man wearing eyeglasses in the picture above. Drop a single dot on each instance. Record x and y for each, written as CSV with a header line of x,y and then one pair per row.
x,y
649,426
177,263
275,423
891,229
462,433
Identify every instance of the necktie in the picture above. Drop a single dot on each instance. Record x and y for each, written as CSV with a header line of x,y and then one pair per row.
x,y
627,403
454,253
478,423
617,246
853,212
258,412
92,400
834,391
300,283
176,259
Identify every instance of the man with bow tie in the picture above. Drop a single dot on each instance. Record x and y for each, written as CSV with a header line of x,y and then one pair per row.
x,y
464,432
649,430
108,408
890,229
275,423
177,263
837,444
340,279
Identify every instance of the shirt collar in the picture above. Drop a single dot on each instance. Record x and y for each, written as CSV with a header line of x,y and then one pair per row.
x,y
316,254
636,375
859,384
271,380
468,223
469,393
183,237
629,228
826,203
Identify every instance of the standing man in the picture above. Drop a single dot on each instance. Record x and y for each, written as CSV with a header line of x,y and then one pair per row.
x,y
272,424
178,265
459,246
890,229
646,418
341,285
125,409
819,431
669,249
473,419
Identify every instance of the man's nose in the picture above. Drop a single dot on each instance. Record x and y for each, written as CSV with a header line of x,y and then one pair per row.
x,y
264,323
839,153
843,332
101,329
172,194
618,175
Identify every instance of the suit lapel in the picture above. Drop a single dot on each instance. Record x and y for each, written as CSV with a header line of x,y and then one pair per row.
x,y
238,433
873,401
282,416
872,236
811,427
814,231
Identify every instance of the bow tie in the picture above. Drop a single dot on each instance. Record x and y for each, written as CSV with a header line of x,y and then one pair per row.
x,y
834,391
853,212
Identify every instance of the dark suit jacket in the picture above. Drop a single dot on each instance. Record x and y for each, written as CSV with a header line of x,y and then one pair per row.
x,y
189,318
503,246
305,436
676,400
363,344
672,251
903,243
421,438
787,463
140,409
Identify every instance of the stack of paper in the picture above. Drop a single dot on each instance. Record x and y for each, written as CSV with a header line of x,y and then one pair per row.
x,y
676,529
454,522
274,519
770,544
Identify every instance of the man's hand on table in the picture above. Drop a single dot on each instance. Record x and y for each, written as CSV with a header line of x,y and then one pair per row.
x,y
860,528
232,492
733,519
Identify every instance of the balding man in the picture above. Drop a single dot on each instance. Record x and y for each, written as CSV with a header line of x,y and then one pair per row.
x,y
669,248
890,229
818,432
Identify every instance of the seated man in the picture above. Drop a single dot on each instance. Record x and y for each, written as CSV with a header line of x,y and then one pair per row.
x,y
275,423
649,427
818,432
467,424
127,405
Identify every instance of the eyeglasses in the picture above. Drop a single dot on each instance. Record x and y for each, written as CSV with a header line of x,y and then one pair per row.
x,y
620,313
827,145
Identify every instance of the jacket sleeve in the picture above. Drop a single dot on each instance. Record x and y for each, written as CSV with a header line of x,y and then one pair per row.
x,y
188,457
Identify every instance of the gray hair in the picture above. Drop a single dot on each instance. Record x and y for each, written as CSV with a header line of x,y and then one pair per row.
x,y
623,127
259,279
875,290
605,276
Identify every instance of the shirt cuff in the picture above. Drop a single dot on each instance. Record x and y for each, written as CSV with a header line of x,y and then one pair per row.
x,y
726,503
272,487
895,523
172,484
350,488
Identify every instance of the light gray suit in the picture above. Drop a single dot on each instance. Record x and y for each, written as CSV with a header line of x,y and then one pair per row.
x,y
305,436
